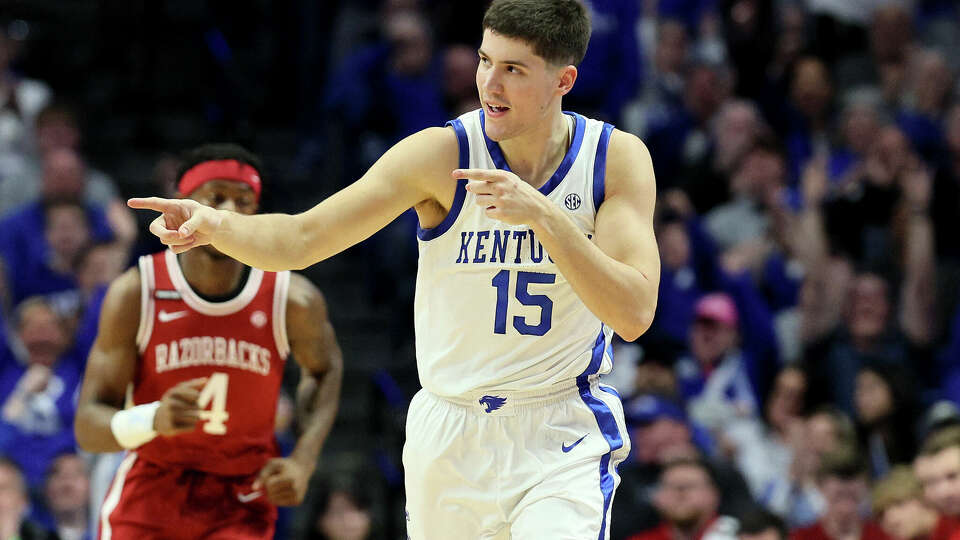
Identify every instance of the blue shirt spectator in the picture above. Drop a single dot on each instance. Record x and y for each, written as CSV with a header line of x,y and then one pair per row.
x,y
610,72
38,244
38,394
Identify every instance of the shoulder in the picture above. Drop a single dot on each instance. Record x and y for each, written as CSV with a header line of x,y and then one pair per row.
x,y
422,155
629,165
120,311
125,288
305,302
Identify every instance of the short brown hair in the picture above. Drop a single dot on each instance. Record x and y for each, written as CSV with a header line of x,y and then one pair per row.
x,y
900,485
844,463
941,440
558,30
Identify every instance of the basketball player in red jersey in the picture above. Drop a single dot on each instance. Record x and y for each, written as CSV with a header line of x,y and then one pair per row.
x,y
203,340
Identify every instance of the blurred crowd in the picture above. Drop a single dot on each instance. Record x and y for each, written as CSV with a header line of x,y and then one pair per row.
x,y
802,375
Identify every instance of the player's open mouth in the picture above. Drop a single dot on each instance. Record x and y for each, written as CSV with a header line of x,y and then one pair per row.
x,y
496,110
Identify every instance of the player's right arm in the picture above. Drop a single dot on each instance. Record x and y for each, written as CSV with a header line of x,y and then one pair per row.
x,y
413,171
110,369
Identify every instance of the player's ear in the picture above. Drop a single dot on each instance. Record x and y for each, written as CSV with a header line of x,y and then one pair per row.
x,y
568,76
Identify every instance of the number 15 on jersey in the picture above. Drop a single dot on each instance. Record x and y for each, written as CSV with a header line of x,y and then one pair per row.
x,y
501,282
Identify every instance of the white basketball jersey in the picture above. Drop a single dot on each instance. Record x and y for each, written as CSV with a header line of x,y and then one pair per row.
x,y
492,311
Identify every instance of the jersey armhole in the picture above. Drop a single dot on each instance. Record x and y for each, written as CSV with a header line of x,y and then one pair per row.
x,y
600,167
281,289
147,286
460,192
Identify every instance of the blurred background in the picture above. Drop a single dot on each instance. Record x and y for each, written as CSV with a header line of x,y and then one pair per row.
x,y
807,153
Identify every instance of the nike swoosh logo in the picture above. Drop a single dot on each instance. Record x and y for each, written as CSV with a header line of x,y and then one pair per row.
x,y
566,448
165,316
247,497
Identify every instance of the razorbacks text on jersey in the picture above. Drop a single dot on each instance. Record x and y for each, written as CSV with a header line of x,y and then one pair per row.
x,y
239,344
492,311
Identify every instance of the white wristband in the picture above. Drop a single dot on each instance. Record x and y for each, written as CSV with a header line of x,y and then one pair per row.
x,y
134,426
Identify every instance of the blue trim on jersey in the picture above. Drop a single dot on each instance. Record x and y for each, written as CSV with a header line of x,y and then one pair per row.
x,y
607,423
579,128
600,166
460,192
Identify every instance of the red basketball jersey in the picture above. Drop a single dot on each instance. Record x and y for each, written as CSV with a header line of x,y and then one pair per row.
x,y
239,344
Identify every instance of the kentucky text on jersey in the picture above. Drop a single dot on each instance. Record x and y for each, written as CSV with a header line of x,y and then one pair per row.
x,y
212,351
505,247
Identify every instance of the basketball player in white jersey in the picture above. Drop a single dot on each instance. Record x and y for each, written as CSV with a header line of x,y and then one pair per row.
x,y
536,243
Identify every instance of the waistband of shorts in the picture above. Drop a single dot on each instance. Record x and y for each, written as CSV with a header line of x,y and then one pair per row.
x,y
510,402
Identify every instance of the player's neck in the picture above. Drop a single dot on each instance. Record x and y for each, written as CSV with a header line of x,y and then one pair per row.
x,y
209,275
535,155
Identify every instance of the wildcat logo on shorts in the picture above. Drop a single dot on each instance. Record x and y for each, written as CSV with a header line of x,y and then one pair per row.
x,y
492,403
572,201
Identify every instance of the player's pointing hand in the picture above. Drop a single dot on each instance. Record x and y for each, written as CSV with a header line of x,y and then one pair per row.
x,y
505,196
182,223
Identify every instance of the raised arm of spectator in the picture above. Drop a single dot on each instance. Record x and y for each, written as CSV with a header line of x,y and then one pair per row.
x,y
918,290
820,310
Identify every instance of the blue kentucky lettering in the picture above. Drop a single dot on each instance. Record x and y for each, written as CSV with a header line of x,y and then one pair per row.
x,y
492,403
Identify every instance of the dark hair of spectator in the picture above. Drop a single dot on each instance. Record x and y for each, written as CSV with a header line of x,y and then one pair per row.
x,y
217,152
846,431
558,30
844,463
758,520
84,254
693,462
941,440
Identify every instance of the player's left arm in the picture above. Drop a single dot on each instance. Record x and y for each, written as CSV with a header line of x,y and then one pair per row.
x,y
616,275
313,344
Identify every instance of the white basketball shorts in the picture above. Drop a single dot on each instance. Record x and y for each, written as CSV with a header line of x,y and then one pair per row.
x,y
513,466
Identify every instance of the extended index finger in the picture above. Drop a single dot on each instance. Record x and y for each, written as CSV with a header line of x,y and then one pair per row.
x,y
153,203
486,175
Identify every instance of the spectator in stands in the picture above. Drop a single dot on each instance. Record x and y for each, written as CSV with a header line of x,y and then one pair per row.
x,y
688,499
899,507
867,332
67,495
756,184
715,379
811,95
929,85
843,481
764,450
733,133
41,267
37,393
57,128
886,404
460,79
796,496
341,510
14,505
759,524
937,467
659,432
610,72
20,101
677,134
95,267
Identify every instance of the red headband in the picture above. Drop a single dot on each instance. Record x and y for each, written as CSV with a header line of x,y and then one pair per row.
x,y
224,169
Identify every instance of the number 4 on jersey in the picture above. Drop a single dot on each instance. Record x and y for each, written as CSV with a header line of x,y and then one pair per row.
x,y
214,394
